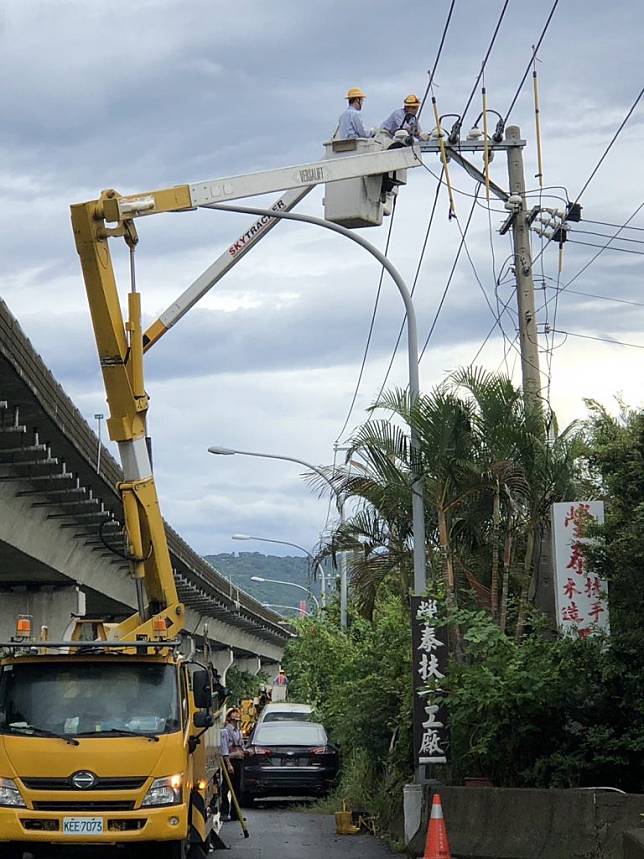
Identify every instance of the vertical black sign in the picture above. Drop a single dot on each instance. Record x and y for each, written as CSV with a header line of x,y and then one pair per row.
x,y
429,666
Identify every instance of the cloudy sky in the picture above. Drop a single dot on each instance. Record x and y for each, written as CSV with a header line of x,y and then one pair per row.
x,y
139,94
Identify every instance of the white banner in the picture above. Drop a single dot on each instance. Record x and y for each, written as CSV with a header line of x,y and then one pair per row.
x,y
581,596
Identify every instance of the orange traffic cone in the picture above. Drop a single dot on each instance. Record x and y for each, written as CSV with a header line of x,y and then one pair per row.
x,y
436,845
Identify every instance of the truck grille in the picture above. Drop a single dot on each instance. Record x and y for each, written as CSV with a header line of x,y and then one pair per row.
x,y
118,783
83,806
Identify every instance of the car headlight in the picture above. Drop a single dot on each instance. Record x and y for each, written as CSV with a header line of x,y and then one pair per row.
x,y
164,791
10,795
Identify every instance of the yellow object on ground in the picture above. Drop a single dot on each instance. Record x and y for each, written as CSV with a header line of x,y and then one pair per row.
x,y
344,823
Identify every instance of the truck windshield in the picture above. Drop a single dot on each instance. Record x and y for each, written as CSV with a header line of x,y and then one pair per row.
x,y
88,698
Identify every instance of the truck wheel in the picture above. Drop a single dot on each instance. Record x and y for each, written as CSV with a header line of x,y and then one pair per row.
x,y
11,851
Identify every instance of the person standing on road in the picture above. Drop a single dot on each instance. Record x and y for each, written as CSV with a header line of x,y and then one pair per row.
x,y
232,752
281,679
350,122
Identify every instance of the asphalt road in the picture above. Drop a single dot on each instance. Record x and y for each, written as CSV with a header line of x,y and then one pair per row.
x,y
284,834
275,833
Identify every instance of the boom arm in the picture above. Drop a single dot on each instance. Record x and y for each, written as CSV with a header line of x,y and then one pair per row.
x,y
120,347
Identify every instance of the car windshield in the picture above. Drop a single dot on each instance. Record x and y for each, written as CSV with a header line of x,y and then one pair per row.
x,y
290,734
287,716
88,699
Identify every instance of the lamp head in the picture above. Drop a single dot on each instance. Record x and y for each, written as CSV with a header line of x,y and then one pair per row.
x,y
241,537
257,579
221,451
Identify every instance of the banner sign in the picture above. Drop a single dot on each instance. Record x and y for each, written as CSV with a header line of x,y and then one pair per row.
x,y
581,596
429,662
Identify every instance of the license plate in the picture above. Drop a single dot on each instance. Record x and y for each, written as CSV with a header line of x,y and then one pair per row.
x,y
82,825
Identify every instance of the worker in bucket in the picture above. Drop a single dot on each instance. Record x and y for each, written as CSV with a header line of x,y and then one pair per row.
x,y
350,122
404,119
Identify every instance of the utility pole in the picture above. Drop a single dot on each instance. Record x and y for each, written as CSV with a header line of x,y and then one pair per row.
x,y
544,588
528,336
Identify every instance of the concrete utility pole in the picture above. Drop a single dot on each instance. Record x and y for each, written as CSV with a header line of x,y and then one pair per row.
x,y
544,593
528,335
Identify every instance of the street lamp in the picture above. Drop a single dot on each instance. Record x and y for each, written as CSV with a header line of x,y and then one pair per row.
x,y
288,584
417,501
339,500
98,418
312,560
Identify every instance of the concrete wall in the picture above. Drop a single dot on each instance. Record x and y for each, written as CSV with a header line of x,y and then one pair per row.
x,y
29,530
505,823
49,606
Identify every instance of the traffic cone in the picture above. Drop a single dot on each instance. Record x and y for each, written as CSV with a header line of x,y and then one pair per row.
x,y
436,845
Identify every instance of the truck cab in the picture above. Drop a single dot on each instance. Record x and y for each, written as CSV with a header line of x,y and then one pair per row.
x,y
103,747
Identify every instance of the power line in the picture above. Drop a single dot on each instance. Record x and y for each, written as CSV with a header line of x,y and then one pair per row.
x,y
371,326
496,316
577,232
603,297
418,267
438,56
448,284
600,339
529,66
375,308
485,59
491,331
606,247
596,168
615,226
609,147
587,265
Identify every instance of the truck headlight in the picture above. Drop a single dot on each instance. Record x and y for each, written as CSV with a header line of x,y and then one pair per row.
x,y
10,795
164,791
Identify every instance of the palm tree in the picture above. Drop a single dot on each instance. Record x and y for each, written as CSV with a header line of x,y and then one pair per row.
x,y
488,476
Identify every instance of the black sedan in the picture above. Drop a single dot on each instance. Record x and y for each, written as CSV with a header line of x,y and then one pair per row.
x,y
289,759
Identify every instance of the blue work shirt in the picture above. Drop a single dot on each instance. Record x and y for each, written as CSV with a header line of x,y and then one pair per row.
x,y
350,125
230,740
396,120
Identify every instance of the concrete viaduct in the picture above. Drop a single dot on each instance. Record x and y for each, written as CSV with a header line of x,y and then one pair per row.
x,y
61,526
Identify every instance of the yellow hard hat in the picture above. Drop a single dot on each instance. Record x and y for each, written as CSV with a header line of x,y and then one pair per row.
x,y
412,101
355,92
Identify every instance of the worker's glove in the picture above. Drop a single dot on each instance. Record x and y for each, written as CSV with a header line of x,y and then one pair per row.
x,y
371,132
425,136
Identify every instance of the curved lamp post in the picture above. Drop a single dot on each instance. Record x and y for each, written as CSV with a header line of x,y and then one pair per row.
x,y
312,560
339,500
290,585
418,511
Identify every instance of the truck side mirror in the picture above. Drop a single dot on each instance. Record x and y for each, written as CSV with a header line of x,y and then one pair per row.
x,y
201,689
203,719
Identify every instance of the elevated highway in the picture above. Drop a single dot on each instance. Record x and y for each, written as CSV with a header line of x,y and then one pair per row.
x,y
61,524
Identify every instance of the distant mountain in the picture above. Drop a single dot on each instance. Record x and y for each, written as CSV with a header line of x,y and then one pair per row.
x,y
240,566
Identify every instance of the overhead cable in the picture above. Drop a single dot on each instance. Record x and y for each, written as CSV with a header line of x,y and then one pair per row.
x,y
432,71
370,333
485,59
413,288
449,282
601,339
609,147
375,308
529,66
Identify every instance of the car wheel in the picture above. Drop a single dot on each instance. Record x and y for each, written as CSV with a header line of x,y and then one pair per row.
x,y
11,851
